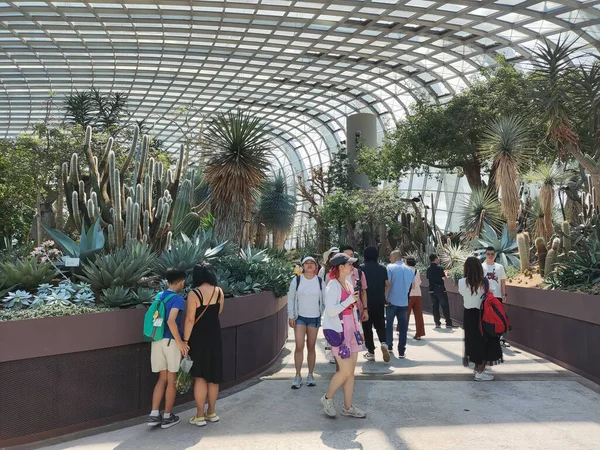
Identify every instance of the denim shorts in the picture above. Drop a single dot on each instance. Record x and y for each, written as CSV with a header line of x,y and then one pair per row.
x,y
314,322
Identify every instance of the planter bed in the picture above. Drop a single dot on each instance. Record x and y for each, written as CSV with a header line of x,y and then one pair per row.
x,y
561,326
89,370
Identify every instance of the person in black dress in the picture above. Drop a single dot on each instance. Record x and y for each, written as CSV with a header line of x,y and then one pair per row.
x,y
203,335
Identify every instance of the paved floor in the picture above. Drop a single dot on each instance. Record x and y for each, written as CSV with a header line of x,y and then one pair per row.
x,y
427,401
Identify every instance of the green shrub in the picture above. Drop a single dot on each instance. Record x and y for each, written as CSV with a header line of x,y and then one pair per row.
x,y
239,276
27,274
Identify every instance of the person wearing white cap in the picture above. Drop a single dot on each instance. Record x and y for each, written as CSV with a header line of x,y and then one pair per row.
x,y
305,307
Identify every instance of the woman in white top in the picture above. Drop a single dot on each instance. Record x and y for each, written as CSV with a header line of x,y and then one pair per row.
x,y
415,300
305,306
479,349
341,314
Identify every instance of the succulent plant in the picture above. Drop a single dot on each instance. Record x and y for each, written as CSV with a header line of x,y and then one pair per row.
x,y
59,297
17,300
523,245
90,243
27,274
117,296
124,267
144,295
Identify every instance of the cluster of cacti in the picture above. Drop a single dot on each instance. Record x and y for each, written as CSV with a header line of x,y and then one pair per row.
x,y
524,244
551,257
541,252
139,211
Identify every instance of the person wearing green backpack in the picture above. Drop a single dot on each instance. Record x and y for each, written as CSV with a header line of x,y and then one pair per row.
x,y
166,353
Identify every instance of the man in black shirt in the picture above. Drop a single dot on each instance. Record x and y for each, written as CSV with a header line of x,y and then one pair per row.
x,y
437,292
377,281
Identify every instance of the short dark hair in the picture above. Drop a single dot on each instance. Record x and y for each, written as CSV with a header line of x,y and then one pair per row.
x,y
410,261
490,249
175,275
371,253
433,257
346,247
203,273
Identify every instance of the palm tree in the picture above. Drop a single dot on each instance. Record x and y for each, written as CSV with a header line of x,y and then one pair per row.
x,y
277,209
506,142
548,176
103,111
238,145
482,208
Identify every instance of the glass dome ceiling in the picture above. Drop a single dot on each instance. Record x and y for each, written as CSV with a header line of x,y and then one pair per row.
x,y
303,66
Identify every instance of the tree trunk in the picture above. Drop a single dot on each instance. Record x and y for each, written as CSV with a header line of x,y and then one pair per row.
x,y
261,236
473,174
350,234
279,239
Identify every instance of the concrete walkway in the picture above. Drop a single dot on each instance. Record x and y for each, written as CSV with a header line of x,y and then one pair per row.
x,y
428,401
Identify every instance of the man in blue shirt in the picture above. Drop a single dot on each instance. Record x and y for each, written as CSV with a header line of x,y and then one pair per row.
x,y
401,280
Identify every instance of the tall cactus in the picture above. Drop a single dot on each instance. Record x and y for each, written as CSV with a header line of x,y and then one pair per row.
x,y
552,257
523,245
541,253
566,231
124,203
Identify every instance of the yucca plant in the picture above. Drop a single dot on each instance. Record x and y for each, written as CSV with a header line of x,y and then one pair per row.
x,y
185,253
27,274
505,245
536,224
548,176
506,141
483,207
125,267
254,254
276,209
238,145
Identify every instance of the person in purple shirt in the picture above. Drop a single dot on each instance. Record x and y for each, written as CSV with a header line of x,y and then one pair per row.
x,y
401,280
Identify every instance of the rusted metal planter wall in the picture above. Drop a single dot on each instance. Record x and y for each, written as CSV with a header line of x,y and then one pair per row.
x,y
563,327
79,372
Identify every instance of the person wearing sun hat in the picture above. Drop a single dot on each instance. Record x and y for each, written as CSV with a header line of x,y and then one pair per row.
x,y
341,316
305,306
325,266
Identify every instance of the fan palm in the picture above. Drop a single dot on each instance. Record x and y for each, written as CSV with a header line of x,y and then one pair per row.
x,y
506,142
548,176
482,208
277,209
238,144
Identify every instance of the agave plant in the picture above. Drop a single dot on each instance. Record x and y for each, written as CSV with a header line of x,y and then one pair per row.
x,y
27,274
238,144
117,296
507,143
185,253
254,254
144,295
276,209
482,208
125,267
17,300
453,255
505,245
90,243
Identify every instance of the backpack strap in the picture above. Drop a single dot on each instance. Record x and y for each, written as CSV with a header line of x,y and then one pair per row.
x,y
297,282
486,285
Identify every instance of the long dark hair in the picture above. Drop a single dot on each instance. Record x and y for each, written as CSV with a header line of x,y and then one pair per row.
x,y
474,273
204,273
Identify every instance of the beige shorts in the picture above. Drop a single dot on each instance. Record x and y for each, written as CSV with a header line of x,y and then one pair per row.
x,y
165,356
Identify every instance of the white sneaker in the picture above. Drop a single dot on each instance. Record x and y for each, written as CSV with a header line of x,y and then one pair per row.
x,y
369,356
328,406
353,411
297,382
386,352
310,380
483,376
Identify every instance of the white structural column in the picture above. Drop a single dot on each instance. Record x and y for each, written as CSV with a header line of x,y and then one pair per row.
x,y
360,128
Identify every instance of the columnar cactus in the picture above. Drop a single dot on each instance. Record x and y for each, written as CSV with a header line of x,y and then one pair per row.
x,y
124,201
523,245
541,252
566,231
552,257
